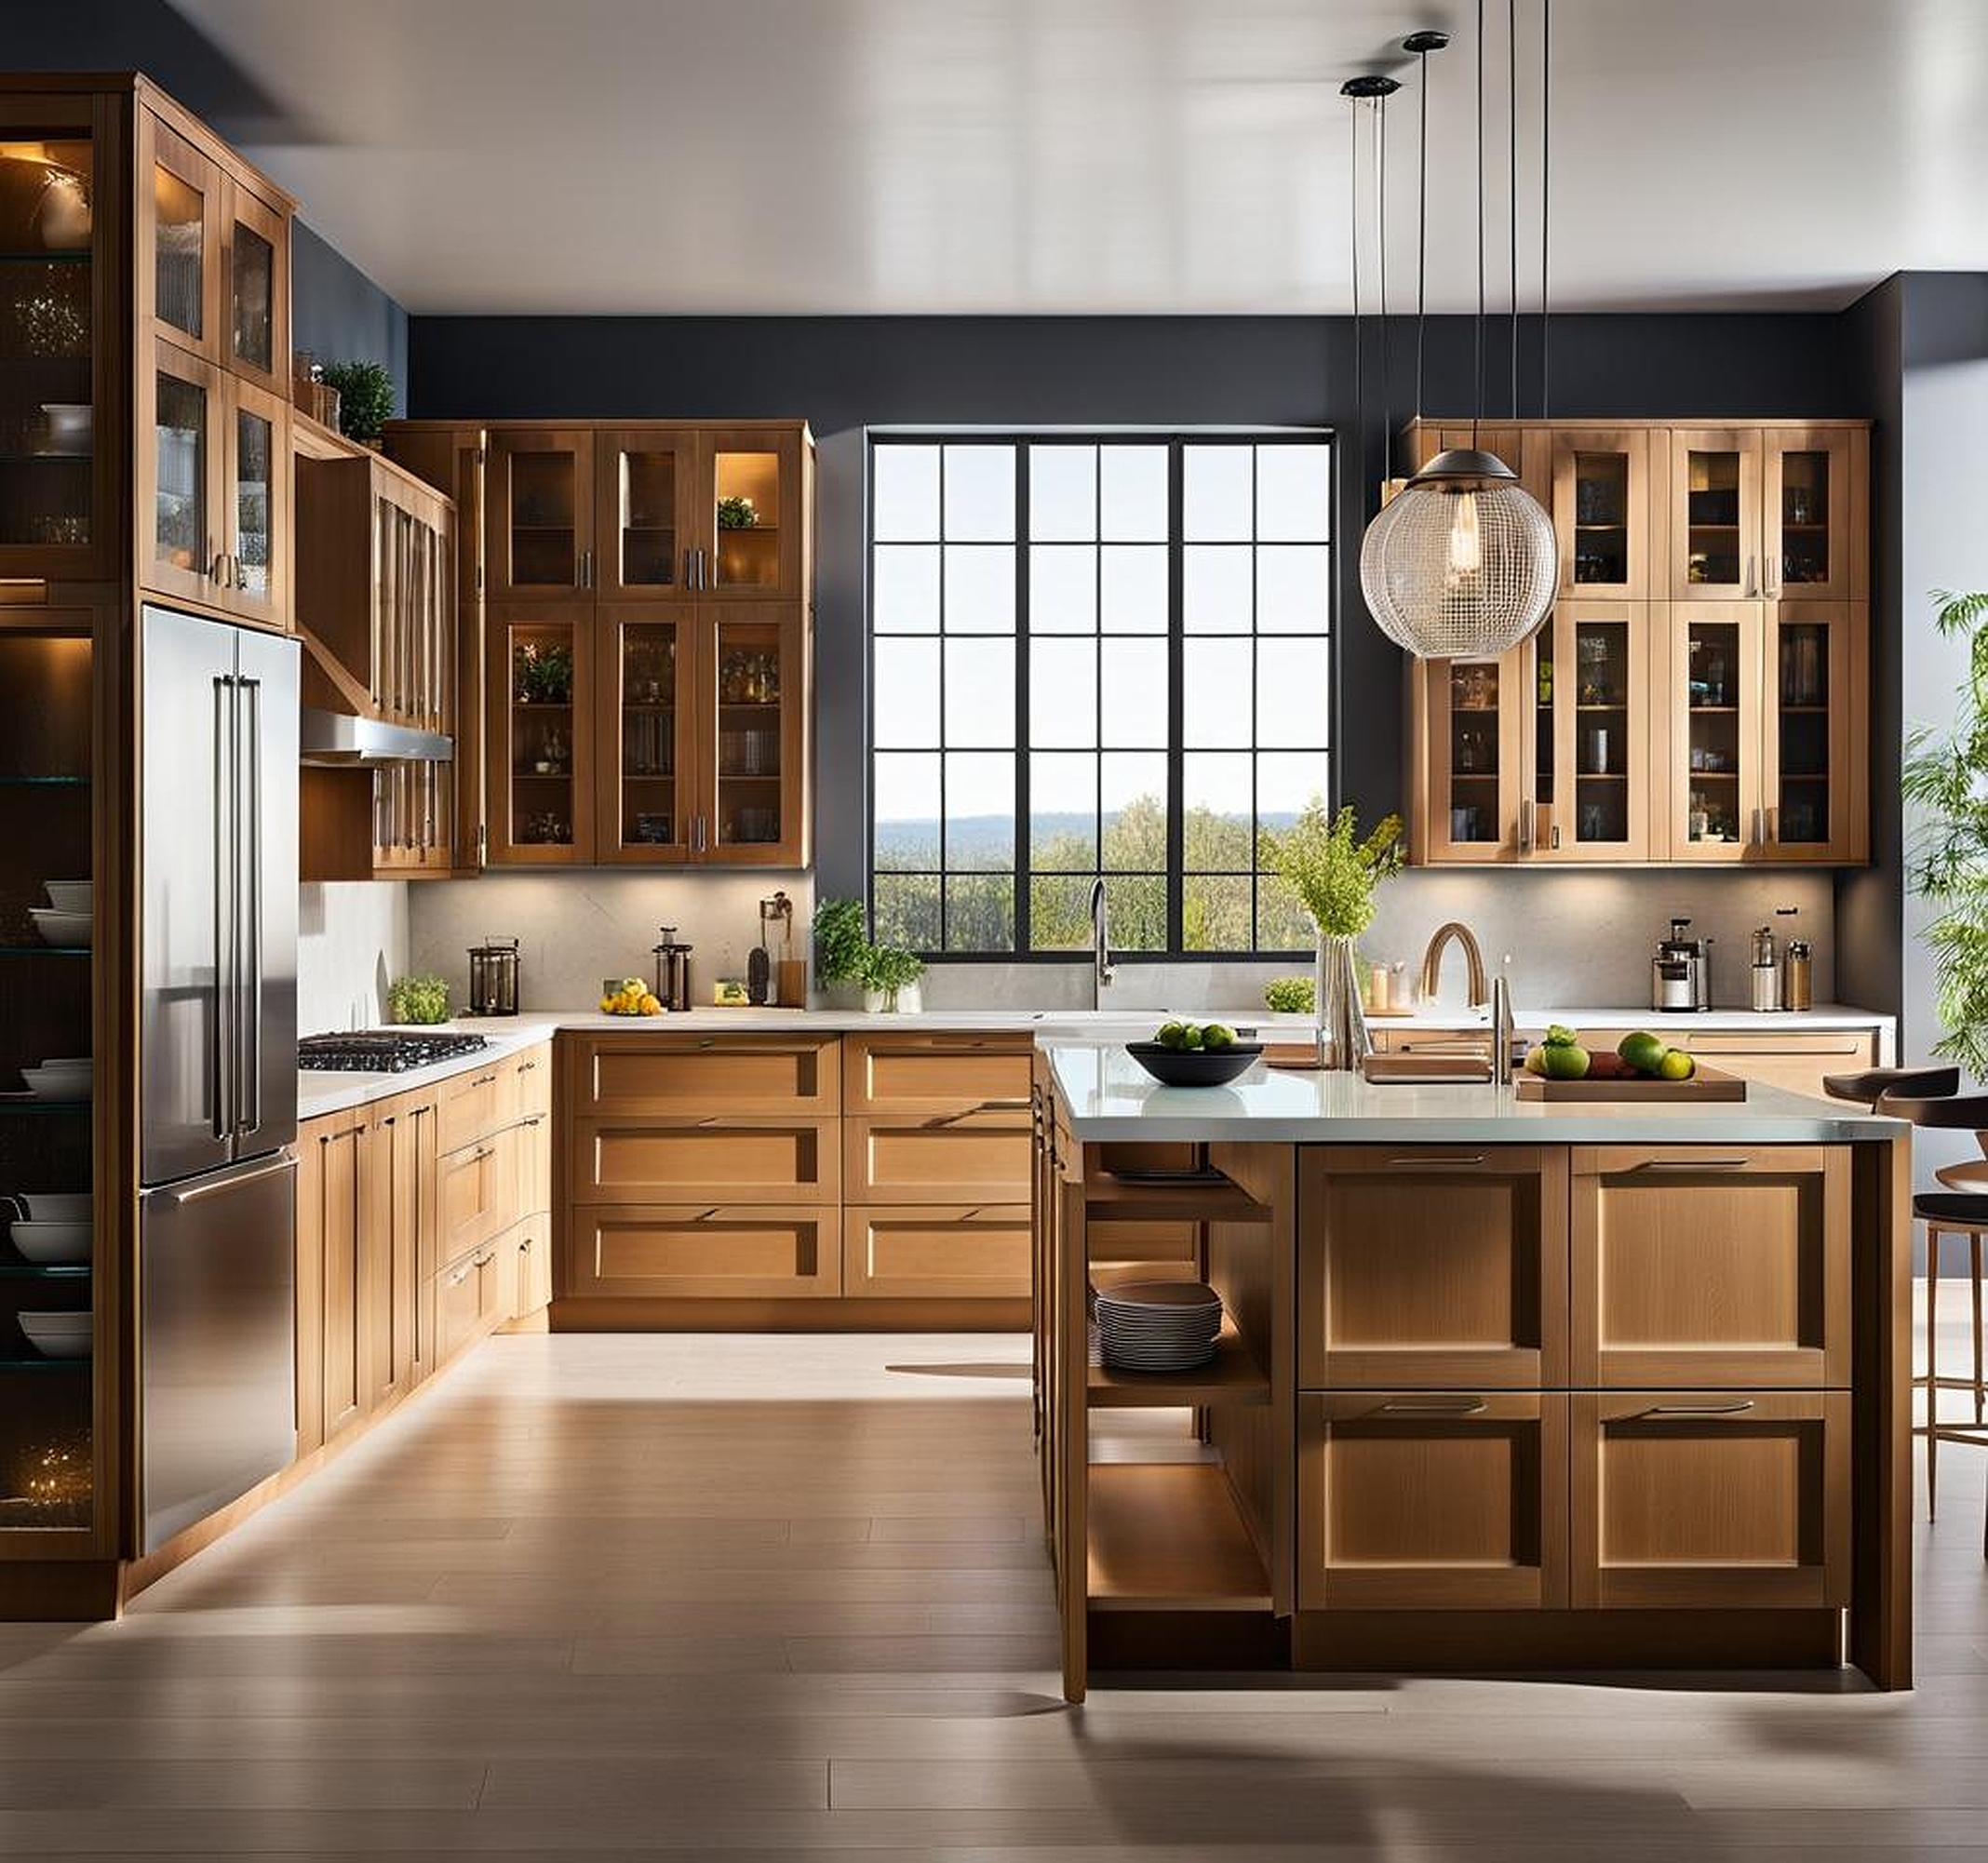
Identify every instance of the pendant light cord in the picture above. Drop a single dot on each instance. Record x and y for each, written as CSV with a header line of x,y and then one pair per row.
x,y
1478,412
1422,240
1546,173
1511,110
1359,392
1381,236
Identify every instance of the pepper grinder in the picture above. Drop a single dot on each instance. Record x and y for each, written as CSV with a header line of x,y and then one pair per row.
x,y
1798,975
1766,971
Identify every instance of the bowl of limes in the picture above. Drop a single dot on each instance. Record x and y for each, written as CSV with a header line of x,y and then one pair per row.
x,y
1194,1055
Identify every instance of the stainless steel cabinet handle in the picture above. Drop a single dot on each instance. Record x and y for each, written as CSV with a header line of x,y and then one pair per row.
x,y
1475,1158
1733,1409
1432,1406
1527,826
251,856
484,1080
1693,1164
1751,586
224,849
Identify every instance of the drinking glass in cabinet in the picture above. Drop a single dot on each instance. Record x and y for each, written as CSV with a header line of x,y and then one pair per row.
x,y
179,524
1805,517
254,450
1600,517
1712,511
253,293
178,251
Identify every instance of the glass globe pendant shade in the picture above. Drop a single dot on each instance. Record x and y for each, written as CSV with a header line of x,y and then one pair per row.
x,y
1461,563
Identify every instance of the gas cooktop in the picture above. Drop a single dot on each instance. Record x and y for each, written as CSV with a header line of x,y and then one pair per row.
x,y
381,1050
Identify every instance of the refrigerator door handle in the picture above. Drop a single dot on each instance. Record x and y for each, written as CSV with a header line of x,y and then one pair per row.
x,y
231,1178
226,1053
249,972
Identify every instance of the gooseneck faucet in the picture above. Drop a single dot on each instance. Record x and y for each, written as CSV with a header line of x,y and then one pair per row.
x,y
1100,944
1432,960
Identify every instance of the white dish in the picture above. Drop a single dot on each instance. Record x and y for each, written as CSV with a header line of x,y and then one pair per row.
x,y
50,1206
53,1244
66,928
67,1063
59,1083
59,1336
70,895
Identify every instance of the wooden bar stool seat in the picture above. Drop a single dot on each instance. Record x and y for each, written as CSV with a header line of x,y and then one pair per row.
x,y
1869,1085
1960,1209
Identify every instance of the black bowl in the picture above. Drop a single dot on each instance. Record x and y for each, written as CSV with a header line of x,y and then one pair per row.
x,y
1194,1067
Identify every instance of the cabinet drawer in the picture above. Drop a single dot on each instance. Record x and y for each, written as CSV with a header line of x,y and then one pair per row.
x,y
532,1140
473,1106
477,1188
1432,1500
700,1074
1700,1266
1798,1061
937,1252
737,1251
735,1160
530,1083
468,1300
885,1074
955,1157
1710,1500
1433,1266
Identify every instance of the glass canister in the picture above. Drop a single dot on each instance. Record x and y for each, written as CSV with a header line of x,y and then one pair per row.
x,y
493,977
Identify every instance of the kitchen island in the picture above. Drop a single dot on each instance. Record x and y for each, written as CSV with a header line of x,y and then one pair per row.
x,y
1502,1384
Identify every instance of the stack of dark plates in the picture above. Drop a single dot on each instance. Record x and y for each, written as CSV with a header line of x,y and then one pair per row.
x,y
1157,1326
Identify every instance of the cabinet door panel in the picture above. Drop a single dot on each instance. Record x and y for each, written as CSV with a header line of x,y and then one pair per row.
x,y
539,512
1432,1500
1796,1061
256,505
940,1252
754,1251
473,1106
750,522
1715,668
1472,719
181,207
256,276
1710,1499
1816,504
960,1159
1715,527
1695,1265
751,736
540,734
701,1073
1602,511
645,716
181,514
888,1074
739,1160
645,501
1816,723
1427,1268
1597,806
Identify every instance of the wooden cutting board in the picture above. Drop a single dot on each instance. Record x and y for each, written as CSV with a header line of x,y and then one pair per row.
x,y
1707,1086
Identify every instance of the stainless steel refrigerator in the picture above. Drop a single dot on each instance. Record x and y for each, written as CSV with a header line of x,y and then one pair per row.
x,y
217,1064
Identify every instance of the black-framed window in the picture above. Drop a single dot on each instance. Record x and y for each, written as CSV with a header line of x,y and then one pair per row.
x,y
1094,654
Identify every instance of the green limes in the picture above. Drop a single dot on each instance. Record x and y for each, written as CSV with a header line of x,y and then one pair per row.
x,y
1218,1035
1191,1038
1172,1035
1642,1051
1564,1061
1677,1066
1536,1060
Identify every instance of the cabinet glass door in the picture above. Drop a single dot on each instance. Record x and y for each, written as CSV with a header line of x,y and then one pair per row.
x,y
1715,730
643,494
750,533
1601,512
1601,750
541,795
180,471
257,279
258,500
179,281
1814,509
754,689
52,483
1476,751
542,506
1814,756
648,781
1715,514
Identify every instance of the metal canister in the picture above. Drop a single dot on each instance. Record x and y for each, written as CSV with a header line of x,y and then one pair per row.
x,y
673,971
493,977
1798,975
1764,971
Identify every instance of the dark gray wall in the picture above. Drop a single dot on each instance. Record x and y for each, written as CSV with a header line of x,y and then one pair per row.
x,y
340,314
846,373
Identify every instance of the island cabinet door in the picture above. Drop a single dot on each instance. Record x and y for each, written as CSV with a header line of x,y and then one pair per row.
x,y
1435,1265
1710,1500
1431,1501
1699,1265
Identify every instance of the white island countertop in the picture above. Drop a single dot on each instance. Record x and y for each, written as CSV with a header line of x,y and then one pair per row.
x,y
1110,1098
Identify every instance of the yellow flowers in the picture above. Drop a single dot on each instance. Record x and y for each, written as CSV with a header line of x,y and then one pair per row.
x,y
633,998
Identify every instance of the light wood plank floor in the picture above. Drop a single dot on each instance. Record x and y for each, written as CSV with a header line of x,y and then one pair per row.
x,y
757,1598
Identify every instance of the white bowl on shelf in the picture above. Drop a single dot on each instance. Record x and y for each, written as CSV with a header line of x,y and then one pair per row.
x,y
59,1336
58,1083
70,895
50,1206
66,928
53,1244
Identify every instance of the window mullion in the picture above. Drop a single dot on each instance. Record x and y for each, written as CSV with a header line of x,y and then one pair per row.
x,y
1176,704
1023,871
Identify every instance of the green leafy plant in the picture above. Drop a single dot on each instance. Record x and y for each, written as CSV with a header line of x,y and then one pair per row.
x,y
890,968
1945,787
417,998
1334,873
1290,995
545,673
737,513
842,941
365,398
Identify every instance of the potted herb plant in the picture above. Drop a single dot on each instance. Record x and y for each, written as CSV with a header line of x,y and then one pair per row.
x,y
545,674
841,950
418,1000
891,977
1336,875
365,400
1945,788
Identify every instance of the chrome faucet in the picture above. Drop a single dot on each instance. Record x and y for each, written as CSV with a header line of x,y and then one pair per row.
x,y
1432,962
1502,1030
1100,944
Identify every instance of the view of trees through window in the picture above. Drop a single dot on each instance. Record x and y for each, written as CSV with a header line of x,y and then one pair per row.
x,y
1095,655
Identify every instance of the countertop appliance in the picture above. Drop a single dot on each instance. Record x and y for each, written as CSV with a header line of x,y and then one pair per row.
x,y
1766,971
493,977
1681,972
673,971
217,1064
384,1050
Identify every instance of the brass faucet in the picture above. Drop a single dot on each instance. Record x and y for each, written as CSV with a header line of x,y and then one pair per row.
x,y
1474,957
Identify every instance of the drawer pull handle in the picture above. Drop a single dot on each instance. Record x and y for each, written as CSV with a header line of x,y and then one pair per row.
x,y
1456,1406
484,1080
1693,1164
461,1275
973,1112
1733,1409
706,1215
1408,1163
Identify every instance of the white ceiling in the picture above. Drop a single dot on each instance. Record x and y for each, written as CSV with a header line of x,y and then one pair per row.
x,y
1100,155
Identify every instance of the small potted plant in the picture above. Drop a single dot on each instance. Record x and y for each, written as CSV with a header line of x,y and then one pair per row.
x,y
737,513
545,674
418,1000
365,400
842,950
891,979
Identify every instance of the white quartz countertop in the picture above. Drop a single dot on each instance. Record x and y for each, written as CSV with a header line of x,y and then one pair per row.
x,y
321,1093
1108,1096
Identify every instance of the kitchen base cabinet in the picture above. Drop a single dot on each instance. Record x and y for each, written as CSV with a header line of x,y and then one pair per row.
x,y
756,1252
915,1251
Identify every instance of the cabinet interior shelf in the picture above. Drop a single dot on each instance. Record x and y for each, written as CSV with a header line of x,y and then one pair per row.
x,y
1168,1535
45,1364
79,256
565,529
44,781
1232,1376
46,458
43,1272
1215,1199
44,951
1603,705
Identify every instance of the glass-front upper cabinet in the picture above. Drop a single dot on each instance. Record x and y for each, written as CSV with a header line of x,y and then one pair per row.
x,y
1594,803
182,508
540,509
256,501
179,264
1715,772
539,744
752,735
751,512
646,501
1715,530
55,488
256,265
1815,753
1816,542
1475,713
645,764
1601,513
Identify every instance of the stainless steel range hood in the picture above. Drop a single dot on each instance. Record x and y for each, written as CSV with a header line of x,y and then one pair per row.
x,y
340,741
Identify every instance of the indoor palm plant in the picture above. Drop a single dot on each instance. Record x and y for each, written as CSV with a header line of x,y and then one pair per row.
x,y
1945,787
1335,874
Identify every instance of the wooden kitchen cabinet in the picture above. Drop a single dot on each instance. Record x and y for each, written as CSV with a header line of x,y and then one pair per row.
x,y
695,1075
540,512
1421,1500
935,1073
1710,1499
397,1168
646,720
935,1252
1721,1266
647,502
757,1249
1602,510
540,735
333,1371
754,705
962,1157
1815,506
1418,1266
180,214
751,513
1715,532
183,419
766,1158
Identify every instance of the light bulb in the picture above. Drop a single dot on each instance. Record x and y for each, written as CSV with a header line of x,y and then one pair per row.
x,y
1466,540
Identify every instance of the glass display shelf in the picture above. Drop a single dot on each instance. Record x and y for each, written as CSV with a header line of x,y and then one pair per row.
x,y
45,1365
44,950
42,1107
43,1272
44,782
79,256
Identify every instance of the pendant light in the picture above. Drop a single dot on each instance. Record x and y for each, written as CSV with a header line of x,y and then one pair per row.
x,y
1463,564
